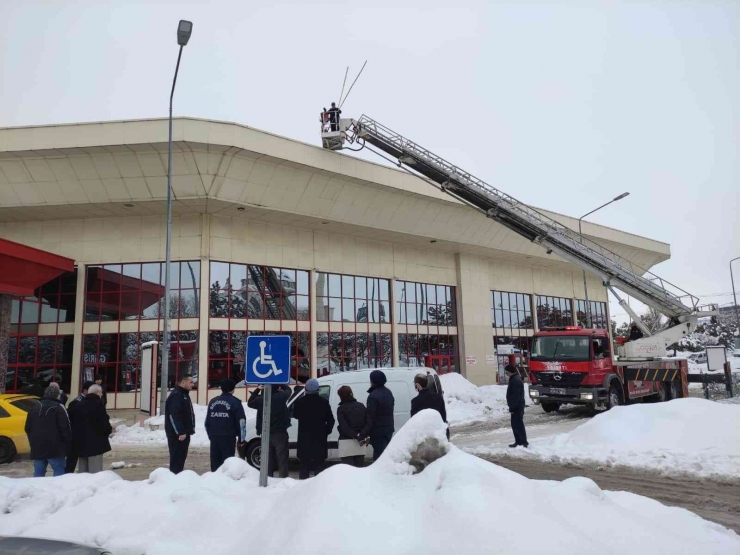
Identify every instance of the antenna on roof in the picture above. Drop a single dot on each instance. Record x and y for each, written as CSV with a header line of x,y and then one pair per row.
x,y
353,84
343,83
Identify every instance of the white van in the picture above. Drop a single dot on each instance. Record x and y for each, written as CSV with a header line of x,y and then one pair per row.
x,y
400,382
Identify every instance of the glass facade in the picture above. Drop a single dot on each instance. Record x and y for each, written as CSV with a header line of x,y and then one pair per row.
x,y
258,292
425,304
433,351
554,312
227,351
42,356
136,291
345,352
344,298
597,312
511,310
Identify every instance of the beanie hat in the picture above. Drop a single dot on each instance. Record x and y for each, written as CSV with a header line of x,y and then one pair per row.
x,y
312,386
378,377
227,385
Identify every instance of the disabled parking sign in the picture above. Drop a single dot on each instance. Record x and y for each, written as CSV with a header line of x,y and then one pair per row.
x,y
268,359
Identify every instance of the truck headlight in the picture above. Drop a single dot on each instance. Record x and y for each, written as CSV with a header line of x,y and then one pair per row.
x,y
534,393
587,396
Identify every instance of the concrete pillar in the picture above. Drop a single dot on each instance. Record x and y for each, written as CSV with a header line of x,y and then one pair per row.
x,y
6,302
313,359
396,359
74,388
205,276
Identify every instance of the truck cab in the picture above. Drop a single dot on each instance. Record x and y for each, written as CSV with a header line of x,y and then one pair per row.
x,y
570,365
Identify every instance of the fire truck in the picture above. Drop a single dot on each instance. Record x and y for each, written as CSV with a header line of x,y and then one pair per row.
x,y
568,365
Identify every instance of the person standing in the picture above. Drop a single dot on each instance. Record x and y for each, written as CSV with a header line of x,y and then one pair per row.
x,y
99,381
515,400
428,399
225,422
350,420
179,422
279,424
315,423
73,455
91,430
334,115
379,425
62,395
635,333
49,434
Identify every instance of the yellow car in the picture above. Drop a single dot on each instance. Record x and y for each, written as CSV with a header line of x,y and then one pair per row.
x,y
13,411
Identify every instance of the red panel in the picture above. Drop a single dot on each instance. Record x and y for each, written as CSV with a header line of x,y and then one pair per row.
x,y
26,268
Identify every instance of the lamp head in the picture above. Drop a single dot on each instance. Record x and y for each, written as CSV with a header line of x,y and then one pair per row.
x,y
184,30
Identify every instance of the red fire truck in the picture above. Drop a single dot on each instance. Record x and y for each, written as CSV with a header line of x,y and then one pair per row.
x,y
575,365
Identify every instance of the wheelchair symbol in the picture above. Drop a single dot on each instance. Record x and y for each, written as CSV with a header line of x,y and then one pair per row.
x,y
266,360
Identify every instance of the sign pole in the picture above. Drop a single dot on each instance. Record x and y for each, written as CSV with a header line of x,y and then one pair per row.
x,y
265,445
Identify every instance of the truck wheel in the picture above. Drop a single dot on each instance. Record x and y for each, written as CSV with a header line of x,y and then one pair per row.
x,y
550,407
676,390
614,398
662,396
7,450
254,453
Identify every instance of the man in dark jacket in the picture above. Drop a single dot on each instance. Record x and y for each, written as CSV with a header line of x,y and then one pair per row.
x,y
179,422
72,456
315,423
225,422
635,332
350,420
515,400
428,399
379,425
334,115
279,424
49,433
91,428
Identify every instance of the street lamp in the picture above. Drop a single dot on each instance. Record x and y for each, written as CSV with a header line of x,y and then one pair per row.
x,y
734,297
184,30
585,286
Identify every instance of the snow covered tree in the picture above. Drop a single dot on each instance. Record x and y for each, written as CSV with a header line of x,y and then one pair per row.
x,y
653,320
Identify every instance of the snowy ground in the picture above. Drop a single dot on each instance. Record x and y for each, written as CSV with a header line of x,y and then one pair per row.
x,y
144,435
691,436
468,403
457,504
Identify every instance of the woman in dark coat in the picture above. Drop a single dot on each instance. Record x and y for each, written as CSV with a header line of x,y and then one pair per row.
x,y
350,420
315,423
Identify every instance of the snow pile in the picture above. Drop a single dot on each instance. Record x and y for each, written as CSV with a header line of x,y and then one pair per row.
x,y
446,508
144,435
467,403
691,436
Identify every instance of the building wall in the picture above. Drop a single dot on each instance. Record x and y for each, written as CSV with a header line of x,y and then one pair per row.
x,y
207,237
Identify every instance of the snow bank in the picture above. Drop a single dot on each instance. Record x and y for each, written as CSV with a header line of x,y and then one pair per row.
x,y
691,436
457,504
144,435
467,403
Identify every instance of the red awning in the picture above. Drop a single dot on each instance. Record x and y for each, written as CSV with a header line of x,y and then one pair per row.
x,y
23,268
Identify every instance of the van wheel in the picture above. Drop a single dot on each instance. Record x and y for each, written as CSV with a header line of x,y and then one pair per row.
x,y
7,450
253,454
614,399
550,407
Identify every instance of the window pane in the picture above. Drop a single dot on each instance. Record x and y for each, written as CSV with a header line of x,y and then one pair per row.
x,y
411,313
385,312
150,276
29,313
302,308
361,290
190,274
69,282
238,277
410,292
401,310
111,306
384,290
335,285
219,275
348,310
47,349
130,306
27,350
289,307
255,278
504,300
302,283
218,344
288,281
255,305
322,284
15,307
431,295
189,304
112,277
322,309
149,305
348,287
335,309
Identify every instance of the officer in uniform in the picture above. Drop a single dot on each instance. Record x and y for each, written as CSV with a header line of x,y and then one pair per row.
x,y
225,422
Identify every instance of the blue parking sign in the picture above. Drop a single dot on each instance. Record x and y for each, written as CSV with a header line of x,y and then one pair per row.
x,y
268,359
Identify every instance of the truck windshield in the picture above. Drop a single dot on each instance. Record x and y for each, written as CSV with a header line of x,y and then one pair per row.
x,y
564,347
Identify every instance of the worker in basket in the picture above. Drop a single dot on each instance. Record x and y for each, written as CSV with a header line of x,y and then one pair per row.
x,y
334,114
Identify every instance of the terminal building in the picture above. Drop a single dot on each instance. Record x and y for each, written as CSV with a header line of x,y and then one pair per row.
x,y
363,265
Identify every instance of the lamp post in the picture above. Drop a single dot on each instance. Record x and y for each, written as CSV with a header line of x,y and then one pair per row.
x,y
184,30
734,297
585,286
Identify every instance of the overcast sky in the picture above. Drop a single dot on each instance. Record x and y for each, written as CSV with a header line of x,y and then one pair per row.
x,y
563,105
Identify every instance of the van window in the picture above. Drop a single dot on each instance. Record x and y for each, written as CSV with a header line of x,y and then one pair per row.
x,y
3,413
325,392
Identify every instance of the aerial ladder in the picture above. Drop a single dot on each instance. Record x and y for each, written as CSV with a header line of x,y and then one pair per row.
x,y
615,272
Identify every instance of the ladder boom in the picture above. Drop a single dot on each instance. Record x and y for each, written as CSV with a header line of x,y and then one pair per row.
x,y
528,222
